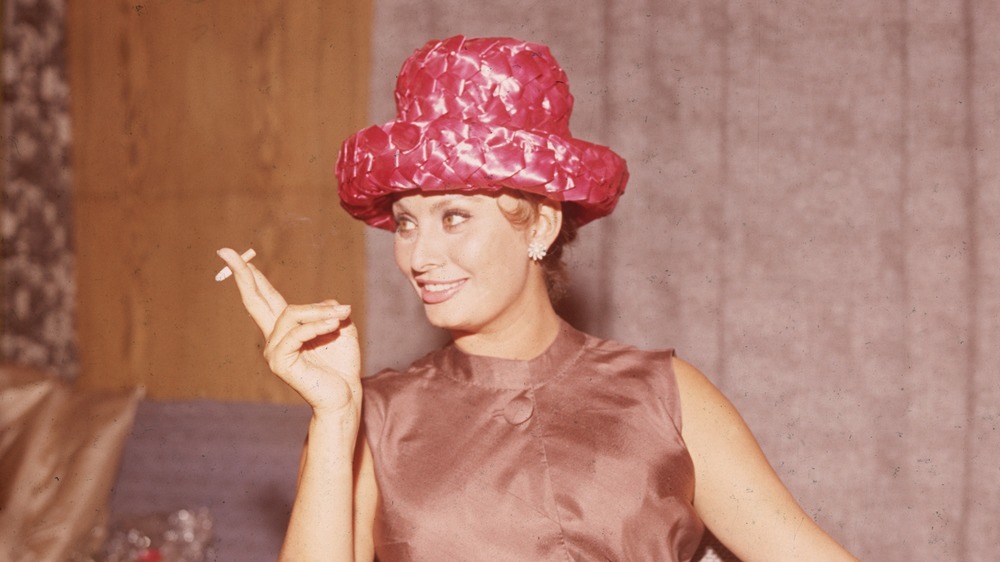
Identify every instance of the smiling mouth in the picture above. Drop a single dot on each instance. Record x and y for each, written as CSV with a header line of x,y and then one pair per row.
x,y
435,293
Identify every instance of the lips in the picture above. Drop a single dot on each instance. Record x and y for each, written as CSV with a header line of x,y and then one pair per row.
x,y
438,292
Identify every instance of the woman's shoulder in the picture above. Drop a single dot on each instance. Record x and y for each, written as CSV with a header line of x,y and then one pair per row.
x,y
652,369
390,378
381,387
601,349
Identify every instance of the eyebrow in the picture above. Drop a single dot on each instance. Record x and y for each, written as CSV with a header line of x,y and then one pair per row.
x,y
443,201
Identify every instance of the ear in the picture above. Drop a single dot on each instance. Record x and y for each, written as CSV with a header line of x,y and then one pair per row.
x,y
546,227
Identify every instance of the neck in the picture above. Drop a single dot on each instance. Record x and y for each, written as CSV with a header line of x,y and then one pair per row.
x,y
524,336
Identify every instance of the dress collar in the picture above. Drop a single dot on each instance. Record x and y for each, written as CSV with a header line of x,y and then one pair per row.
x,y
515,374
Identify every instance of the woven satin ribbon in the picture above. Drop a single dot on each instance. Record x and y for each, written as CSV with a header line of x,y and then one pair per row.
x,y
478,115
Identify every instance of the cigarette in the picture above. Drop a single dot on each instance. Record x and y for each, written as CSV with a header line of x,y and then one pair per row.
x,y
226,273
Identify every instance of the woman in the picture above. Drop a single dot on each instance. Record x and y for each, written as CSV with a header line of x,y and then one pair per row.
x,y
523,439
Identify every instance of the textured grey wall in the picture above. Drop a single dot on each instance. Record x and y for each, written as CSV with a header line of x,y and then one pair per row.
x,y
812,219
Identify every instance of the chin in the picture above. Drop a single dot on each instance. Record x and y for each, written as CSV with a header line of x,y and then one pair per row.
x,y
455,317
442,319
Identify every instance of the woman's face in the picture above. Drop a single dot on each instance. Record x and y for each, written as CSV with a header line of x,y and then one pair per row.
x,y
466,261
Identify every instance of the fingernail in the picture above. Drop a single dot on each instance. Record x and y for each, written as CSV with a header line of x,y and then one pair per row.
x,y
342,309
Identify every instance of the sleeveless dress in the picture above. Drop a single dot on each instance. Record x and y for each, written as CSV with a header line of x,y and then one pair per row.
x,y
574,455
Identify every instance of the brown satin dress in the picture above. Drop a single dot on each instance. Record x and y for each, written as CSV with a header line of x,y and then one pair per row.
x,y
573,455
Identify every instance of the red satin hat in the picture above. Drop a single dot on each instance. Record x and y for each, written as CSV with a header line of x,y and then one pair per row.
x,y
478,115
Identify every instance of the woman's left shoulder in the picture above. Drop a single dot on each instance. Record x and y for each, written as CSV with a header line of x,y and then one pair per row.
x,y
701,401
690,379
610,349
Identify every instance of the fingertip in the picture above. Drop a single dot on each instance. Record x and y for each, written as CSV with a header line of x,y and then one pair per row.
x,y
331,322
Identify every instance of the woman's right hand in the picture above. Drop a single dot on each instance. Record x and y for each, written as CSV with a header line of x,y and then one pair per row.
x,y
313,348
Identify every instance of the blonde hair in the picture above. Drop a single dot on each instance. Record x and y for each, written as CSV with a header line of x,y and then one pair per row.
x,y
525,212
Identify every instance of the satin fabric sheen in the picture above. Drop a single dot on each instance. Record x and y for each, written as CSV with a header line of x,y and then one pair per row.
x,y
573,455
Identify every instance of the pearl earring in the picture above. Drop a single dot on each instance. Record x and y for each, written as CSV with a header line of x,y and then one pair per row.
x,y
536,250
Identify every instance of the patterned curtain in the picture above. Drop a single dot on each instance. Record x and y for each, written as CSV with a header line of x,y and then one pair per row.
x,y
36,251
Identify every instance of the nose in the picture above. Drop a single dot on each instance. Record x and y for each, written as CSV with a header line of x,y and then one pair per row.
x,y
427,251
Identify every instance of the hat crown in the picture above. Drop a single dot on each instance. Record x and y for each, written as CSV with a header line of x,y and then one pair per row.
x,y
492,81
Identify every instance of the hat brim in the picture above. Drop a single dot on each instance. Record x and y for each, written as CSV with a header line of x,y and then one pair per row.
x,y
380,163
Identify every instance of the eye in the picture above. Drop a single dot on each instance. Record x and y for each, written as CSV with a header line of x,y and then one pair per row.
x,y
455,217
404,225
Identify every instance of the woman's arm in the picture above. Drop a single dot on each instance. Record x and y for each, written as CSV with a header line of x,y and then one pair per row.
x,y
737,493
315,350
332,473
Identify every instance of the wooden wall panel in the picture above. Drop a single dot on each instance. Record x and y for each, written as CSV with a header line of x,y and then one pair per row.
x,y
196,126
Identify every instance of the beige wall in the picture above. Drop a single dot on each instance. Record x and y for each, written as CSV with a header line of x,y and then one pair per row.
x,y
199,125
811,219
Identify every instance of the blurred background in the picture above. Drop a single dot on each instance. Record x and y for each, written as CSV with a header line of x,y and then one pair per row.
x,y
813,216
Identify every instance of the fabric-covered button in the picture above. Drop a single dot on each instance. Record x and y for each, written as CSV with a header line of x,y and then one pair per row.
x,y
518,410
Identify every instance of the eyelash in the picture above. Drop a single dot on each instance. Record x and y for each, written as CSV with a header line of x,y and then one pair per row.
x,y
451,213
400,222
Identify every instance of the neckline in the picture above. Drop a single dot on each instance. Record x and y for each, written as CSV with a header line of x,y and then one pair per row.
x,y
515,374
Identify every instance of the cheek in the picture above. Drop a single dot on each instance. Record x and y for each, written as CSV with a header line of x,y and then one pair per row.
x,y
495,256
